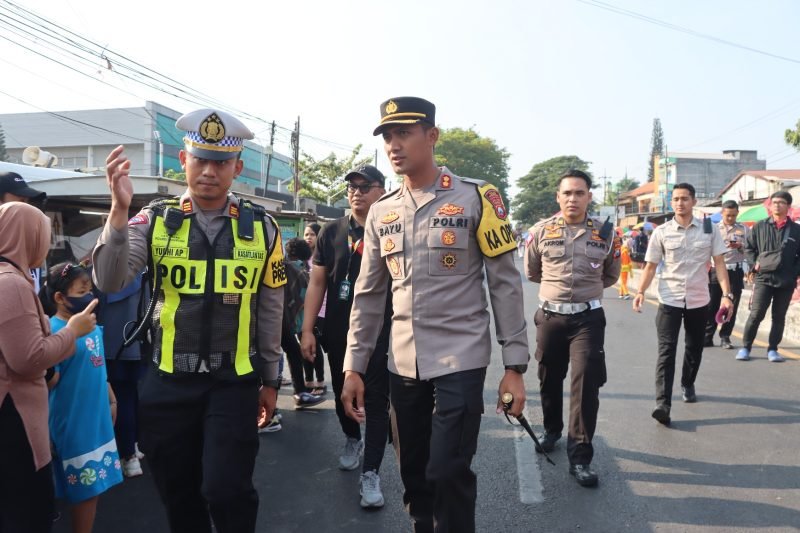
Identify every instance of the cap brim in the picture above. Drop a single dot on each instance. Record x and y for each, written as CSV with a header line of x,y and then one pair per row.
x,y
364,175
31,194
214,155
388,123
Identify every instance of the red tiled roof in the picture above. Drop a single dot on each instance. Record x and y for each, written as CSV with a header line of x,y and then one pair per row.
x,y
647,188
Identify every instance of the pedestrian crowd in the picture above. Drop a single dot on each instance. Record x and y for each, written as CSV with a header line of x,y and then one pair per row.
x,y
173,333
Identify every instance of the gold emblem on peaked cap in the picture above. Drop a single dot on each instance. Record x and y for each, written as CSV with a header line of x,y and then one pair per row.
x,y
391,108
212,130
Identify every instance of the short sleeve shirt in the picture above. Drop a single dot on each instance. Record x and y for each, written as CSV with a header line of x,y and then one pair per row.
x,y
686,253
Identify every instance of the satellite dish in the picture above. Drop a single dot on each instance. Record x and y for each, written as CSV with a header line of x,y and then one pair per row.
x,y
35,156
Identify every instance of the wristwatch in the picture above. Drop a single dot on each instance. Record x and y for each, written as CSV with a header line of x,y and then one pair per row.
x,y
519,369
729,296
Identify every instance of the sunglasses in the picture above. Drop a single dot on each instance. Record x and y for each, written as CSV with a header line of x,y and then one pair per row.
x,y
362,187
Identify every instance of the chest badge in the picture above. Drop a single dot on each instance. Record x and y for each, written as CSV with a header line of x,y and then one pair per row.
x,y
449,238
450,210
449,261
389,245
389,217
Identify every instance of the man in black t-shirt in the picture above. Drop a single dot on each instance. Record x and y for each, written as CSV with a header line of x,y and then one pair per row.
x,y
337,261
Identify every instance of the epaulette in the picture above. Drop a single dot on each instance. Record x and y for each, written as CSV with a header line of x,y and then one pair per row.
x,y
164,202
473,181
388,195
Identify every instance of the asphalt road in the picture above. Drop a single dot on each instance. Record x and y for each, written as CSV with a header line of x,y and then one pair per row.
x,y
730,462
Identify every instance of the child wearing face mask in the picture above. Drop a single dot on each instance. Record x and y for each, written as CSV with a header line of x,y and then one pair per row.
x,y
82,405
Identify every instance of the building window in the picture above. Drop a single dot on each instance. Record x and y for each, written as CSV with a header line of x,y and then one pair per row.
x,y
751,195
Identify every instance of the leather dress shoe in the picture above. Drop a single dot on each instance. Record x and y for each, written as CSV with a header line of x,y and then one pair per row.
x,y
548,442
584,475
688,394
661,413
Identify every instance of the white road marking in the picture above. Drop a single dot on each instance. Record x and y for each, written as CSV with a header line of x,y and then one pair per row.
x,y
528,473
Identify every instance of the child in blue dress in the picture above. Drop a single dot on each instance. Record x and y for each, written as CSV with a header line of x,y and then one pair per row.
x,y
86,462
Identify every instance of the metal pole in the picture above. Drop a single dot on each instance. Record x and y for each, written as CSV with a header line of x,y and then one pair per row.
x,y
269,154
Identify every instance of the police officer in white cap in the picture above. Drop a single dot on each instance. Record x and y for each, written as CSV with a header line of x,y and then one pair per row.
x,y
215,263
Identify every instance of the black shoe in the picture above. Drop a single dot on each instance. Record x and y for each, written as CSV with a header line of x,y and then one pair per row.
x,y
661,413
688,394
726,343
708,343
584,475
548,442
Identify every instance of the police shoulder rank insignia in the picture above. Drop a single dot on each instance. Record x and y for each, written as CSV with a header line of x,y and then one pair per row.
x,y
186,206
389,217
448,238
141,218
449,261
394,266
450,210
446,182
234,211
495,235
389,245
212,130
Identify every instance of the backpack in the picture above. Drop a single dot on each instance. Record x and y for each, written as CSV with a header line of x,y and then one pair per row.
x,y
294,295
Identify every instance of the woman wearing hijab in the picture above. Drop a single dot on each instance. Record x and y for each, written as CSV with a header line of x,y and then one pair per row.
x,y
27,350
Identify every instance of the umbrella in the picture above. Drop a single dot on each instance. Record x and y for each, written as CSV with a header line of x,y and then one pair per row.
x,y
716,217
647,226
753,214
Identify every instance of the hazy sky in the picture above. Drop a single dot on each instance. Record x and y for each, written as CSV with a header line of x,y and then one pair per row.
x,y
543,78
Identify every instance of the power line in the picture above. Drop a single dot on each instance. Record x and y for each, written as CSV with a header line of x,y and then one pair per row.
x,y
688,31
116,61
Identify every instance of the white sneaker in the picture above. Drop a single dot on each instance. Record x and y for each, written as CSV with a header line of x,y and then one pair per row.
x,y
131,467
139,455
351,454
371,495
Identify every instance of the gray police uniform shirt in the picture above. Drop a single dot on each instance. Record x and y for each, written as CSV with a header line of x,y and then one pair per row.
x,y
571,268
120,256
739,233
435,249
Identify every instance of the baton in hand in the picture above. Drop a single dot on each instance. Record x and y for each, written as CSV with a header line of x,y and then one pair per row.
x,y
507,400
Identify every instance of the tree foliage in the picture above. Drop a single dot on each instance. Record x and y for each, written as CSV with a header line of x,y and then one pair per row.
x,y
321,179
622,186
793,136
3,153
656,147
537,197
468,154
175,175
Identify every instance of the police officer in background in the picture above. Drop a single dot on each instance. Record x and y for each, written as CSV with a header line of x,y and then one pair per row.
x,y
573,258
433,237
734,234
215,263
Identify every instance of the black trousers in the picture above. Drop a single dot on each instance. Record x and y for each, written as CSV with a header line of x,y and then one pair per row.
x,y
376,399
26,494
736,278
780,297
435,425
668,326
201,441
295,358
562,340
318,366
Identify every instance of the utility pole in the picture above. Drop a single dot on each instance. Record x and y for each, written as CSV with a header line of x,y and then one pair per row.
x,y
605,188
269,153
296,156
